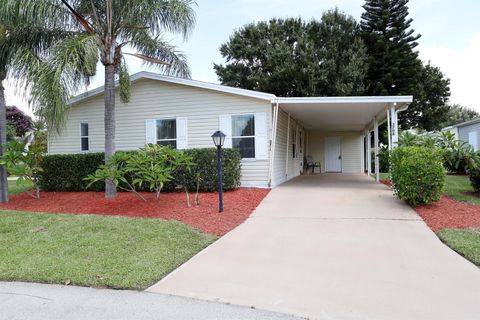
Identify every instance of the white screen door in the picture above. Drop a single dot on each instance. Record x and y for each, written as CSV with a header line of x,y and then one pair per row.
x,y
333,154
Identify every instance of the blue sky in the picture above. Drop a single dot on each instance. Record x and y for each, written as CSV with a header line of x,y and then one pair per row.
x,y
450,36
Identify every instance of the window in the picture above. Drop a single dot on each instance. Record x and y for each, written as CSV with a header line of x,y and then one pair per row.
x,y
243,134
84,141
167,132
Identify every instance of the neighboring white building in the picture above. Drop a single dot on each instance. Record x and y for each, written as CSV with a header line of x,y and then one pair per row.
x,y
273,134
468,131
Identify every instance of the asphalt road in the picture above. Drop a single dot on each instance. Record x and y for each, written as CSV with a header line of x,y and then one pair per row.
x,y
34,301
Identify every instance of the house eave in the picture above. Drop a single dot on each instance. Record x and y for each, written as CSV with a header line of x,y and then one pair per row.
x,y
187,82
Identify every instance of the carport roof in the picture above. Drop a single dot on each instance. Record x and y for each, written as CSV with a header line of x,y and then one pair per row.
x,y
341,113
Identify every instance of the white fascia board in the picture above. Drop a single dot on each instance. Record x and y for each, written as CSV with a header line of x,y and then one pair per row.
x,y
187,82
462,124
359,99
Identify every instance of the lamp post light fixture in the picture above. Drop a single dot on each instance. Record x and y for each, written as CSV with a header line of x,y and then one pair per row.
x,y
218,138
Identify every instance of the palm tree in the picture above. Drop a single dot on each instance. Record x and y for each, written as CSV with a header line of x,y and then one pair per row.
x,y
26,45
136,24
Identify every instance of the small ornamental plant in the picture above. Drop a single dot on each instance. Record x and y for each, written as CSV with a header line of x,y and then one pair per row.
x,y
151,167
418,175
24,163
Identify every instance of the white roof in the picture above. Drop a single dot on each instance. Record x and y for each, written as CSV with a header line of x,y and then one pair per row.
x,y
187,82
462,124
325,113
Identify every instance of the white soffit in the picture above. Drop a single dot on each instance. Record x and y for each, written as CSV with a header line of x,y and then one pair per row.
x,y
340,113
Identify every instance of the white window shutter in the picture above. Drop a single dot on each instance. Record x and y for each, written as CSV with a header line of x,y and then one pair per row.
x,y
261,140
182,142
150,131
225,125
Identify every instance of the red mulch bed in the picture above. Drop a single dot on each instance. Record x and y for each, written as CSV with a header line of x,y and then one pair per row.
x,y
448,213
238,205
388,183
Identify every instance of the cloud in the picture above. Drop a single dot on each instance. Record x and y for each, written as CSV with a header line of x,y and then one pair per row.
x,y
461,66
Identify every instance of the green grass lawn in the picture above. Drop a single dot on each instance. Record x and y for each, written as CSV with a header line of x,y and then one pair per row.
x,y
464,241
90,250
14,188
456,185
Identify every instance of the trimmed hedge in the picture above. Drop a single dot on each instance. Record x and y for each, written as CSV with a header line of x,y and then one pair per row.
x,y
418,176
66,172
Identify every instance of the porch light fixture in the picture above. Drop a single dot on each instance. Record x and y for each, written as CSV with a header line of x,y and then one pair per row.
x,y
218,138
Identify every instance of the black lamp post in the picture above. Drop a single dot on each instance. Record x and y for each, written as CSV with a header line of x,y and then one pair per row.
x,y
218,139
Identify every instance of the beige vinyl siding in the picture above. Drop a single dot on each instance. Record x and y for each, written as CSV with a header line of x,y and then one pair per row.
x,y
351,148
283,149
152,99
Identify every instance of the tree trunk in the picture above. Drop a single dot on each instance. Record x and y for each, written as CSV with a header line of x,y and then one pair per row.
x,y
3,141
110,190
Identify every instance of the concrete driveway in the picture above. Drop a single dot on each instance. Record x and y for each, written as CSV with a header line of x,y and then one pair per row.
x,y
333,247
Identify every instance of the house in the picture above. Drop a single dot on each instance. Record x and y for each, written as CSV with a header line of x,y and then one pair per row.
x,y
468,131
273,134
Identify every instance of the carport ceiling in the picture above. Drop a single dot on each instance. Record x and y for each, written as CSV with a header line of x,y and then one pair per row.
x,y
340,113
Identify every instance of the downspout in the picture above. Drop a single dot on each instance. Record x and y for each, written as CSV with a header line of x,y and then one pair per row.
x,y
273,142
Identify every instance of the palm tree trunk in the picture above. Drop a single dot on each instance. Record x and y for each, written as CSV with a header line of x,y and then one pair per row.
x,y
3,141
110,190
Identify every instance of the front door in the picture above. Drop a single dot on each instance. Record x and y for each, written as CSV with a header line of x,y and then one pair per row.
x,y
333,154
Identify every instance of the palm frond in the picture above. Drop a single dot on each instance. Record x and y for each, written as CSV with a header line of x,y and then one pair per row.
x,y
160,54
124,82
174,16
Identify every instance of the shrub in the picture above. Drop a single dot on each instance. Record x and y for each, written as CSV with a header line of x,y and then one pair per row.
x,y
148,168
418,176
384,159
67,172
204,170
474,176
24,163
473,170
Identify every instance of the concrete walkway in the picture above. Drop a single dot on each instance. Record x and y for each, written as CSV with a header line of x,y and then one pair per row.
x,y
35,301
333,247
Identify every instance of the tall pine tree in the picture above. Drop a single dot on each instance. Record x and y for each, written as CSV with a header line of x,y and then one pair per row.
x,y
394,66
393,63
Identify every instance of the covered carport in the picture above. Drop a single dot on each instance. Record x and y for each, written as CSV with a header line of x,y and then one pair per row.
x,y
324,118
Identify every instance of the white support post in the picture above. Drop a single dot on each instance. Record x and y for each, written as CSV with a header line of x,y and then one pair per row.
x,y
389,130
273,141
394,125
369,152
375,142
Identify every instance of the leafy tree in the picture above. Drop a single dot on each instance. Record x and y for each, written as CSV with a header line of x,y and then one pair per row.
x,y
393,63
18,120
290,57
430,108
458,114
103,29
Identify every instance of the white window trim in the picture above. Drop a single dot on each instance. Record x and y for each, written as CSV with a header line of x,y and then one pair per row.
x,y
81,137
156,129
237,137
